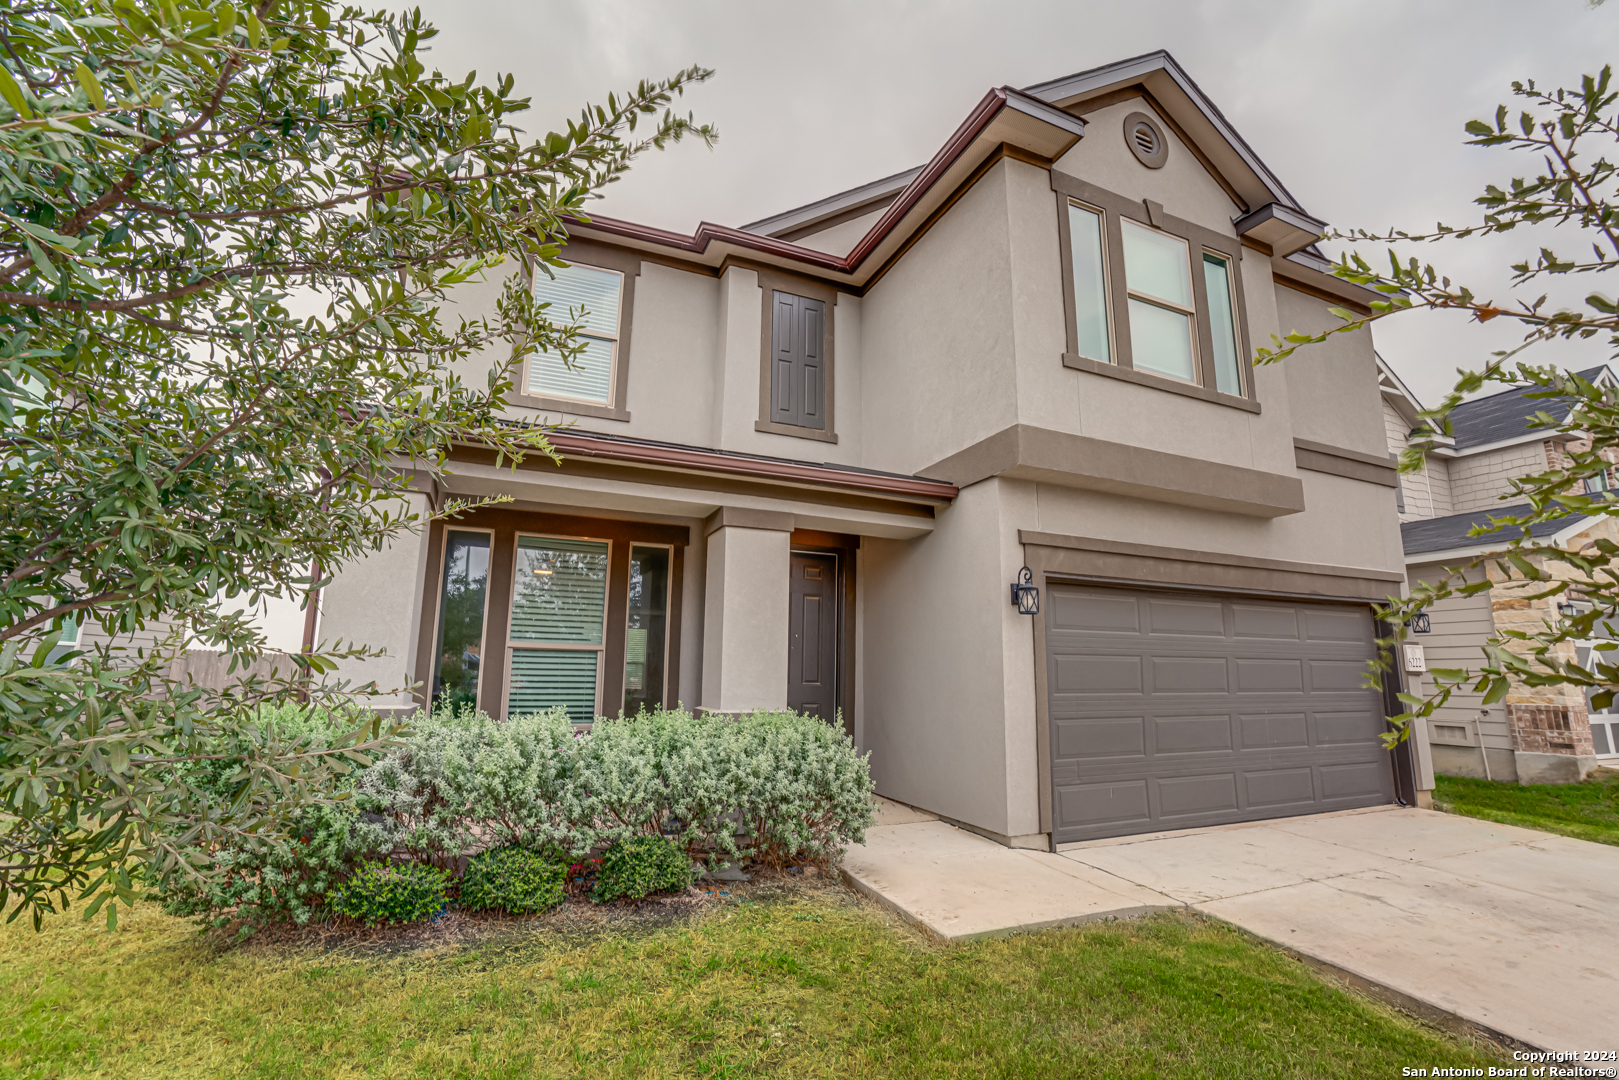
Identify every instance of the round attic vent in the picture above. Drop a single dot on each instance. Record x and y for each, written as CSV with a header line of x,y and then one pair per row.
x,y
1146,140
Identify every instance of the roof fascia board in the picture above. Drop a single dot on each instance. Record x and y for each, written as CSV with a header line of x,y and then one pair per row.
x,y
1422,558
985,129
1532,436
832,206
1161,73
1317,273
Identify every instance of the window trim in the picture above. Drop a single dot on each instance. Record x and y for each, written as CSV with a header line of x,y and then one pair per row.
x,y
1114,207
438,609
771,282
505,522
599,649
668,609
628,267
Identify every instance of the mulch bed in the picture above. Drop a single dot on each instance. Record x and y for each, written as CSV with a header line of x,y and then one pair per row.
x,y
577,916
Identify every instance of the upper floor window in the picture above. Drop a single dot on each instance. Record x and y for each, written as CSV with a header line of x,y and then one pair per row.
x,y
593,296
1151,298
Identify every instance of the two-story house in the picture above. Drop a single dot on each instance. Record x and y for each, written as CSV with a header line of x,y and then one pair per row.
x,y
1536,735
811,458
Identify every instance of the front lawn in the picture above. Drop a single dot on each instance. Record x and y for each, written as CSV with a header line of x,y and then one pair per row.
x,y
1585,811
806,985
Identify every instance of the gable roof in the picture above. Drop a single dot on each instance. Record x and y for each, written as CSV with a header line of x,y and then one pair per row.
x,y
1184,103
1043,121
1454,533
1507,415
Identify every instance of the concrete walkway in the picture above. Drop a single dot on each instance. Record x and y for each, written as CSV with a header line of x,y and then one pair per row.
x,y
1512,930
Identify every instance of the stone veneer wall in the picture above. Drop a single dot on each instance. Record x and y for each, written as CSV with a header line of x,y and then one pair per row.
x,y
1550,729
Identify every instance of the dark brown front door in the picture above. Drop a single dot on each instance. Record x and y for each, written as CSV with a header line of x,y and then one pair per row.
x,y
812,663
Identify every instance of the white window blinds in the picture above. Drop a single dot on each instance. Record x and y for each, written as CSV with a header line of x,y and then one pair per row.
x,y
593,297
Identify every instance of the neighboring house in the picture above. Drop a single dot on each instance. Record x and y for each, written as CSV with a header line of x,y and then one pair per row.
x,y
811,456
1536,735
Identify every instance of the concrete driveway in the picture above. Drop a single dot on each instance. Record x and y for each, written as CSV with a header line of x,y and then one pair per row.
x,y
1512,930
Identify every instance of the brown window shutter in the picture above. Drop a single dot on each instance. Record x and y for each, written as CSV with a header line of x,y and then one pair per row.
x,y
798,364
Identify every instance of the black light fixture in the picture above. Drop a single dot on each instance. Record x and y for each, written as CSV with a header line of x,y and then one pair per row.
x,y
1025,597
1420,623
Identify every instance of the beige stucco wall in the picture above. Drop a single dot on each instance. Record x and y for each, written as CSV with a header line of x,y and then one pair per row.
x,y
1477,481
947,690
1331,385
1182,185
840,239
938,336
375,601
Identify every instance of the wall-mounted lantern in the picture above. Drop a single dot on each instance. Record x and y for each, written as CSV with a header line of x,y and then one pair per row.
x,y
1025,597
1420,623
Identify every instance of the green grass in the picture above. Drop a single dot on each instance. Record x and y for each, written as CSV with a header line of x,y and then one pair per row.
x,y
1585,811
802,988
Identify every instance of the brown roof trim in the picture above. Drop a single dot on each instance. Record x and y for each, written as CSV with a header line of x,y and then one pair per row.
x,y
708,233
579,444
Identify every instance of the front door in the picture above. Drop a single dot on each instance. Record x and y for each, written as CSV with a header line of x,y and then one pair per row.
x,y
812,663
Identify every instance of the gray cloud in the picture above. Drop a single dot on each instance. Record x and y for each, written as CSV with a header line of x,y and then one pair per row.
x,y
1357,107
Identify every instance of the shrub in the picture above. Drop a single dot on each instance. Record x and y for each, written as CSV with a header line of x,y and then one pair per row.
x,y
463,780
808,790
513,879
639,866
270,880
392,893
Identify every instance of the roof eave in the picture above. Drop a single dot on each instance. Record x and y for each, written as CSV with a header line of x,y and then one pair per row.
x,y
1004,117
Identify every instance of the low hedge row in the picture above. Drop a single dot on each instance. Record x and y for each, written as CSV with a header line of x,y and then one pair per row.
x,y
513,801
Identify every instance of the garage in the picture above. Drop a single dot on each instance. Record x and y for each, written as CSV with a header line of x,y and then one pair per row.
x,y
1176,710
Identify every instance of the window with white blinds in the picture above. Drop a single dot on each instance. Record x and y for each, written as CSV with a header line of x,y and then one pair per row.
x,y
556,639
592,297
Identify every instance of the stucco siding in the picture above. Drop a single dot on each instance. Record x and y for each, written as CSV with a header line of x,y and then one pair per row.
x,y
1332,386
938,337
934,705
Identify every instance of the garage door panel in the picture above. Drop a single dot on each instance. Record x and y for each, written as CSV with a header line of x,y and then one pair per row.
x,y
1192,617
1191,734
1353,781
1210,793
1328,624
1274,623
1160,722
1274,788
1115,802
1264,731
1083,674
1104,737
1337,675
1360,726
1270,676
1188,674
1085,611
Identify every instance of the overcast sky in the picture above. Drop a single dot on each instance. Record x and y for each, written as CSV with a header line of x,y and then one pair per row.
x,y
1358,107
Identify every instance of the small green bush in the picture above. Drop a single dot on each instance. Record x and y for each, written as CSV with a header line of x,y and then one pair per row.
x,y
392,893
644,864
513,879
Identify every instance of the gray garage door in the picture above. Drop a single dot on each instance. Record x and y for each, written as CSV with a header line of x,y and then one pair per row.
x,y
1178,710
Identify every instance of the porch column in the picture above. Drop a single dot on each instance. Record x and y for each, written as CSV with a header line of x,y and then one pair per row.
x,y
745,610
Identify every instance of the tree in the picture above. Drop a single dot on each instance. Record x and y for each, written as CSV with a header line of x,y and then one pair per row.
x,y
177,183
1567,132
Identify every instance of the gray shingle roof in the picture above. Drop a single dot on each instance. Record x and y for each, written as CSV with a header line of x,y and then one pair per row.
x,y
1506,415
1449,533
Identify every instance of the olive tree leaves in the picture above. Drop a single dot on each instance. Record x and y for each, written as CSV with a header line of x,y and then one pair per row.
x,y
228,233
